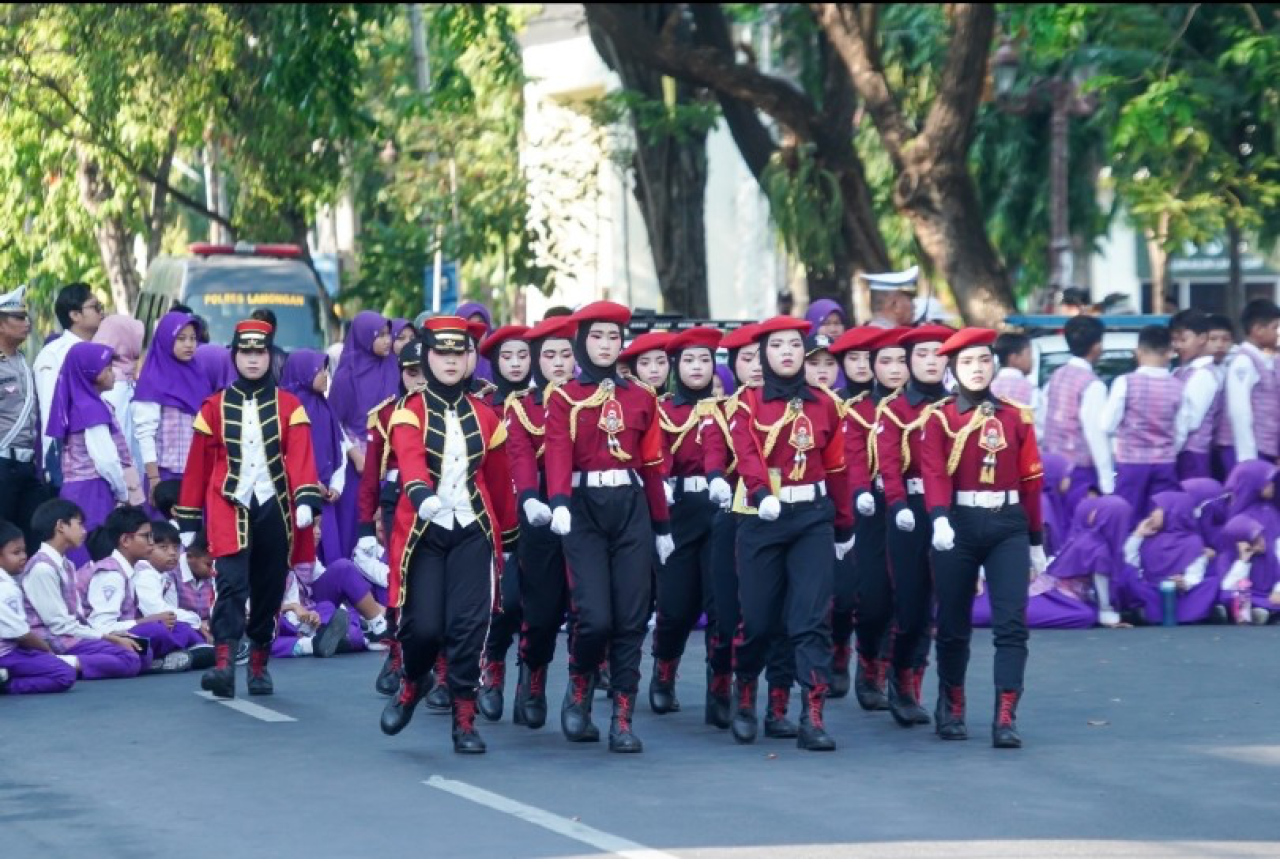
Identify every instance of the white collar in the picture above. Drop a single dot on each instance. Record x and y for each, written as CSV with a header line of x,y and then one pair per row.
x,y
1246,346
55,555
1077,361
1011,371
1159,372
125,566
1202,361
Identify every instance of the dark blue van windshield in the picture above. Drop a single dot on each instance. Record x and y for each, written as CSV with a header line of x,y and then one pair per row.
x,y
225,292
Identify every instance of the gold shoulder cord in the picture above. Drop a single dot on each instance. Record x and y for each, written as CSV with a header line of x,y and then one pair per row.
x,y
601,396
961,438
516,406
916,424
873,467
775,429
680,431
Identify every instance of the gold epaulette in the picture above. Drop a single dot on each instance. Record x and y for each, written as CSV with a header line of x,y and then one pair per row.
x,y
486,388
372,420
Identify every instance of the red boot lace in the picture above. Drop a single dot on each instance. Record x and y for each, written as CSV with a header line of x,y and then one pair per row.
x,y
881,673
466,715
258,661
222,655
917,683
907,683
1008,701
721,685
397,656
442,670
747,696
840,657
580,682
817,697
778,700
538,681
408,694
495,674
666,670
625,703
955,702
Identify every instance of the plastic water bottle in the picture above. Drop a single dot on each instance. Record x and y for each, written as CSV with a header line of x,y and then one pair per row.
x,y
1244,602
1169,603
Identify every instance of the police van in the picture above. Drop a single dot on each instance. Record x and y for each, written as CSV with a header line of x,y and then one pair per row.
x,y
223,284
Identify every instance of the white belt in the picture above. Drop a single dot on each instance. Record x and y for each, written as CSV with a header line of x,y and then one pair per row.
x,y
689,484
17,454
988,500
803,492
915,486
598,479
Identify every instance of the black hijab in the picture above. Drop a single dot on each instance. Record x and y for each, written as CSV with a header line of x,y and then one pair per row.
x,y
684,395
918,390
504,386
778,387
590,373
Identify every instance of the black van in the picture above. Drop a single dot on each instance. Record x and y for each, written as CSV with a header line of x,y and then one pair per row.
x,y
223,284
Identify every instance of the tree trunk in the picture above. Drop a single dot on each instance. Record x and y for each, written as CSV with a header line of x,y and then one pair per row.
x,y
114,238
1235,276
1159,258
670,171
158,215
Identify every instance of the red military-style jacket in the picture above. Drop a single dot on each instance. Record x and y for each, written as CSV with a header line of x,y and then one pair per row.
x,y
860,415
575,441
525,414
898,442
695,435
212,475
379,459
953,455
417,433
765,437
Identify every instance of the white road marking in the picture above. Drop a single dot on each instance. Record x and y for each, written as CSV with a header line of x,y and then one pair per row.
x,y
249,709
554,822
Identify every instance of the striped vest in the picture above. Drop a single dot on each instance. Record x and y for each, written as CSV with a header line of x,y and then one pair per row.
x,y
1146,433
173,439
78,465
1265,398
1063,434
195,595
1202,438
70,596
86,574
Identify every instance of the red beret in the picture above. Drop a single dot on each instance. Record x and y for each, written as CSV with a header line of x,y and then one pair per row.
x,y
927,333
603,311
650,341
502,335
739,337
782,323
856,340
553,327
887,339
477,329
695,338
967,338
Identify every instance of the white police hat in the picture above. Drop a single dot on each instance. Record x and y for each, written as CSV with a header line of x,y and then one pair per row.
x,y
14,302
894,281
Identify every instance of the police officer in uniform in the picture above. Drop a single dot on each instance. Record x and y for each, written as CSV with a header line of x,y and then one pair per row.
x,y
981,470
19,417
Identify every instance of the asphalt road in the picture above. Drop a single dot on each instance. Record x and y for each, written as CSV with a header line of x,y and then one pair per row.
x,y
1146,742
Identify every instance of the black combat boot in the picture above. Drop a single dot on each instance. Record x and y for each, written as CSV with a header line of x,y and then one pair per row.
x,y
776,724
904,702
399,710
719,691
949,714
490,701
841,654
439,700
1004,730
465,739
662,686
221,678
388,682
813,736
744,723
621,738
575,711
530,706
868,683
259,677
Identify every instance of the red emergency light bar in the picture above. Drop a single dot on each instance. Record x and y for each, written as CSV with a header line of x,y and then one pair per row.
x,y
246,249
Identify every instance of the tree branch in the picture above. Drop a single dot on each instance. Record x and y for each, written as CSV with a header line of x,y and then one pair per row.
x,y
949,123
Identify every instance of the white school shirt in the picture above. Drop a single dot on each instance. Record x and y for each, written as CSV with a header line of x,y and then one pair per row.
x,y
255,477
106,459
1093,402
146,424
42,585
1203,383
45,369
1241,377
13,620
452,490
106,598
1192,575
156,594
1113,414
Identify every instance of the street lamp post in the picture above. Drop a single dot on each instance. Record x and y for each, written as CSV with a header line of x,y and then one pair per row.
x,y
1062,93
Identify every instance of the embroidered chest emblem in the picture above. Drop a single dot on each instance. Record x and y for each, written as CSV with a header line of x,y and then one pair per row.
x,y
991,440
612,420
801,439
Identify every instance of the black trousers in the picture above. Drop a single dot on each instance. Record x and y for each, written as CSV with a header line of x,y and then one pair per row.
x,y
785,584
685,587
997,541
873,584
21,492
543,593
912,587
504,625
257,573
447,604
609,553
780,672
844,599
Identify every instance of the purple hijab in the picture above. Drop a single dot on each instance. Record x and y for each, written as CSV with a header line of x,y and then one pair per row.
x,y
360,382
300,371
1245,484
392,368
1178,544
166,380
484,370
215,362
1264,569
1057,524
77,402
1211,501
818,311
726,378
1096,544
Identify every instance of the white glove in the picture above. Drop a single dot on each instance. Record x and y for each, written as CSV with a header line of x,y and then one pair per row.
x,y
905,520
866,504
770,508
843,549
561,521
429,508
303,517
944,538
536,512
1039,562
669,491
666,545
719,492
368,546
186,537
